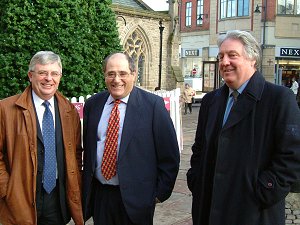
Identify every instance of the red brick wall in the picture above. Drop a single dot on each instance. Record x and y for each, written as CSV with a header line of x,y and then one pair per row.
x,y
194,26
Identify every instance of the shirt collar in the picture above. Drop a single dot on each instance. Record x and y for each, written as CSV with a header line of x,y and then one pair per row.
x,y
111,99
240,89
38,101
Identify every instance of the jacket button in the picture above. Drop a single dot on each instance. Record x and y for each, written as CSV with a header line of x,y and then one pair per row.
x,y
270,184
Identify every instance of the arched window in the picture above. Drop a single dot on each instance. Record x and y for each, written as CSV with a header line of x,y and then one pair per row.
x,y
135,47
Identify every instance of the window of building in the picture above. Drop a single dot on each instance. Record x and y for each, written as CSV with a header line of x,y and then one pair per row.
x,y
243,8
288,7
223,9
188,14
199,12
233,8
135,47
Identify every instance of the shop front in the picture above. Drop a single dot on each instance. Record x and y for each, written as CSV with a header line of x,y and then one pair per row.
x,y
287,65
192,62
195,67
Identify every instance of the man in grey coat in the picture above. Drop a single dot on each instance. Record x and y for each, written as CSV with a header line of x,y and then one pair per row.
x,y
246,153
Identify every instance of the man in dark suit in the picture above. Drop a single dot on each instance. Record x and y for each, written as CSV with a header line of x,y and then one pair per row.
x,y
147,161
246,153
40,151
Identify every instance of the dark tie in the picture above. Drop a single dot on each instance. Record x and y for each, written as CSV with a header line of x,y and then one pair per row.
x,y
232,101
50,153
235,95
109,161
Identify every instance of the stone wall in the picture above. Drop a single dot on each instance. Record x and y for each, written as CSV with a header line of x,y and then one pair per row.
x,y
146,23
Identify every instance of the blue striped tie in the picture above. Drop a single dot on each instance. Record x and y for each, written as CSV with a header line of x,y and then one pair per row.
x,y
50,150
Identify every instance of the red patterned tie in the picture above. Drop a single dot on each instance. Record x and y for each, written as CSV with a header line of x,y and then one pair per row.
x,y
109,161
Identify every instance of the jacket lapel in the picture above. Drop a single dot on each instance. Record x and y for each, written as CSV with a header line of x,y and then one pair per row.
x,y
216,111
247,100
132,116
39,132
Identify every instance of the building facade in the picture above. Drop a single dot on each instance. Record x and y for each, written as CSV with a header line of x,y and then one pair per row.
x,y
274,23
151,39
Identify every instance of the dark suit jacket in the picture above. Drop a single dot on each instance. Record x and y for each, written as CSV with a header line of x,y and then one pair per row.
x,y
148,160
241,173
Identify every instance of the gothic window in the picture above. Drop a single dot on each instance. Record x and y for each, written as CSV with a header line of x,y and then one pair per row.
x,y
135,47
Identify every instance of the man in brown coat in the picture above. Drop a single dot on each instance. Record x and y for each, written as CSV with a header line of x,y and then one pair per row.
x,y
24,152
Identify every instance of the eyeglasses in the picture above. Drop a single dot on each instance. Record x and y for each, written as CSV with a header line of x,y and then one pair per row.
x,y
44,74
113,75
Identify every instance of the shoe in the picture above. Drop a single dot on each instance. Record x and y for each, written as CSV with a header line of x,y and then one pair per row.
x,y
184,113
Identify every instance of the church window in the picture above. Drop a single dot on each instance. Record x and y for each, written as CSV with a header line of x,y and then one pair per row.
x,y
135,47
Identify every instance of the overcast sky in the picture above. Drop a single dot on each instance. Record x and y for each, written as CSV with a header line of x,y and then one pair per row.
x,y
157,5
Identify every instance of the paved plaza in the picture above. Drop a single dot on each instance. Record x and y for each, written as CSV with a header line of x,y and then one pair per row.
x,y
177,209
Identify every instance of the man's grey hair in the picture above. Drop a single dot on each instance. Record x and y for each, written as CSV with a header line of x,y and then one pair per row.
x,y
44,58
251,47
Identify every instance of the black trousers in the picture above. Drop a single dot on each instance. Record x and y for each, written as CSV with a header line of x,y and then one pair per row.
x,y
108,206
186,106
48,208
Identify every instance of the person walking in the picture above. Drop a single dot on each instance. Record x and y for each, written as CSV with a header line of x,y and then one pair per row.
x,y
131,157
40,151
295,86
188,98
246,151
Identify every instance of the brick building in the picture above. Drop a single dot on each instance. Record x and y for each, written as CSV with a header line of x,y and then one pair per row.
x,y
274,23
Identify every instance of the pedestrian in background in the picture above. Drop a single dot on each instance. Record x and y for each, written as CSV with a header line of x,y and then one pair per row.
x,y
188,96
294,86
131,161
40,151
246,158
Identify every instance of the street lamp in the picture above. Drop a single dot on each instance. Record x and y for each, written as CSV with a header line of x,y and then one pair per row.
x,y
264,7
161,29
201,16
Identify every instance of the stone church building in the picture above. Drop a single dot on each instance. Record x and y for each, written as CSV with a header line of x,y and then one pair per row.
x,y
152,39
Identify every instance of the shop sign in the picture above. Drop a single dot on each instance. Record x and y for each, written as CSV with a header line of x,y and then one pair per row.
x,y
290,52
192,52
